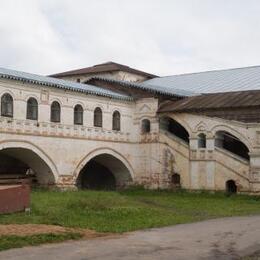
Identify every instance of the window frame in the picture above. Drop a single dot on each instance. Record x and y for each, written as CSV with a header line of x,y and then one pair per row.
x,y
78,114
31,107
58,110
5,104
116,121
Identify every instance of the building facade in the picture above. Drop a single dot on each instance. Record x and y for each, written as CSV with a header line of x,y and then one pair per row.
x,y
109,133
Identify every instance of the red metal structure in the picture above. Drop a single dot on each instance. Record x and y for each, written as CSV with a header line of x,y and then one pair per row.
x,y
14,198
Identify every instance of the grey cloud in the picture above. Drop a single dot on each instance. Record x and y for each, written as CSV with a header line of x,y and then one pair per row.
x,y
158,36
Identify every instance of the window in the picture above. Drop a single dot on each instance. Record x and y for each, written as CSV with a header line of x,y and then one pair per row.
x,y
232,144
78,80
116,121
176,179
32,109
55,112
201,141
146,126
7,105
78,115
175,128
98,117
231,187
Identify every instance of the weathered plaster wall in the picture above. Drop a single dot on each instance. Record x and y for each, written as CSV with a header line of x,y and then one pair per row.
x,y
118,75
151,158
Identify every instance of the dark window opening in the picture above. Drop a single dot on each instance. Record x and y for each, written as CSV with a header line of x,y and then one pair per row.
x,y
201,141
78,115
232,144
116,121
55,112
174,128
7,105
176,179
78,80
98,117
32,109
97,177
231,187
146,126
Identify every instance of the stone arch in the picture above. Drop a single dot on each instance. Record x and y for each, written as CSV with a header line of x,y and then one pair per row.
x,y
34,157
181,122
232,131
117,164
174,127
8,91
54,99
32,96
79,103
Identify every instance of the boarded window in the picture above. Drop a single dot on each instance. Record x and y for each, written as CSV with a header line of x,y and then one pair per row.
x,y
7,105
78,115
98,117
201,141
32,109
116,121
55,112
146,126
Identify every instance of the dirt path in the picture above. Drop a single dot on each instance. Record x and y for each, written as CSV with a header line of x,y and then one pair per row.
x,y
228,238
34,229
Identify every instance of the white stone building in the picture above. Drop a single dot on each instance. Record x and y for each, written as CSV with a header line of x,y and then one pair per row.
x,y
112,126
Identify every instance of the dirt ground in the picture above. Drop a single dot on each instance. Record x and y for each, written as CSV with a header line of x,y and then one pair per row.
x,y
34,229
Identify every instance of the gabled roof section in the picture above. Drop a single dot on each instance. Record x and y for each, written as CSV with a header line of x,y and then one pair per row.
x,y
104,67
149,88
226,100
216,81
59,83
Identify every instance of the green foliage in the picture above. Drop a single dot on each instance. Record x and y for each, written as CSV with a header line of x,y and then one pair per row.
x,y
127,210
7,242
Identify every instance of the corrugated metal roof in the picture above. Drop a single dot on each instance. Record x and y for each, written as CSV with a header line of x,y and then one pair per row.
x,y
150,88
104,67
59,83
238,79
226,100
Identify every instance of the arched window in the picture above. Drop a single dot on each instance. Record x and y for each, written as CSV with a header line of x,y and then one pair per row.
x,y
175,128
7,105
231,187
232,144
201,141
146,126
98,117
32,109
55,112
116,121
78,115
176,179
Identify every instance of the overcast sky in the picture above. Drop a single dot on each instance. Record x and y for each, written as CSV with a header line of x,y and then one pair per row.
x,y
164,37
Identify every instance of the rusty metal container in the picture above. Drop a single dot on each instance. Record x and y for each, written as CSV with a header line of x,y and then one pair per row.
x,y
14,198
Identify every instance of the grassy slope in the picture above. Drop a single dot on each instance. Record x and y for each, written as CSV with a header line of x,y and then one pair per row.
x,y
130,210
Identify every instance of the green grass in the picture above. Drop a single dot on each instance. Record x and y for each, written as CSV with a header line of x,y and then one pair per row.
x,y
7,242
108,211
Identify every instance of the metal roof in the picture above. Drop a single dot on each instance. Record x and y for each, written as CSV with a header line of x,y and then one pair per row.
x,y
150,88
59,83
239,79
226,100
104,67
